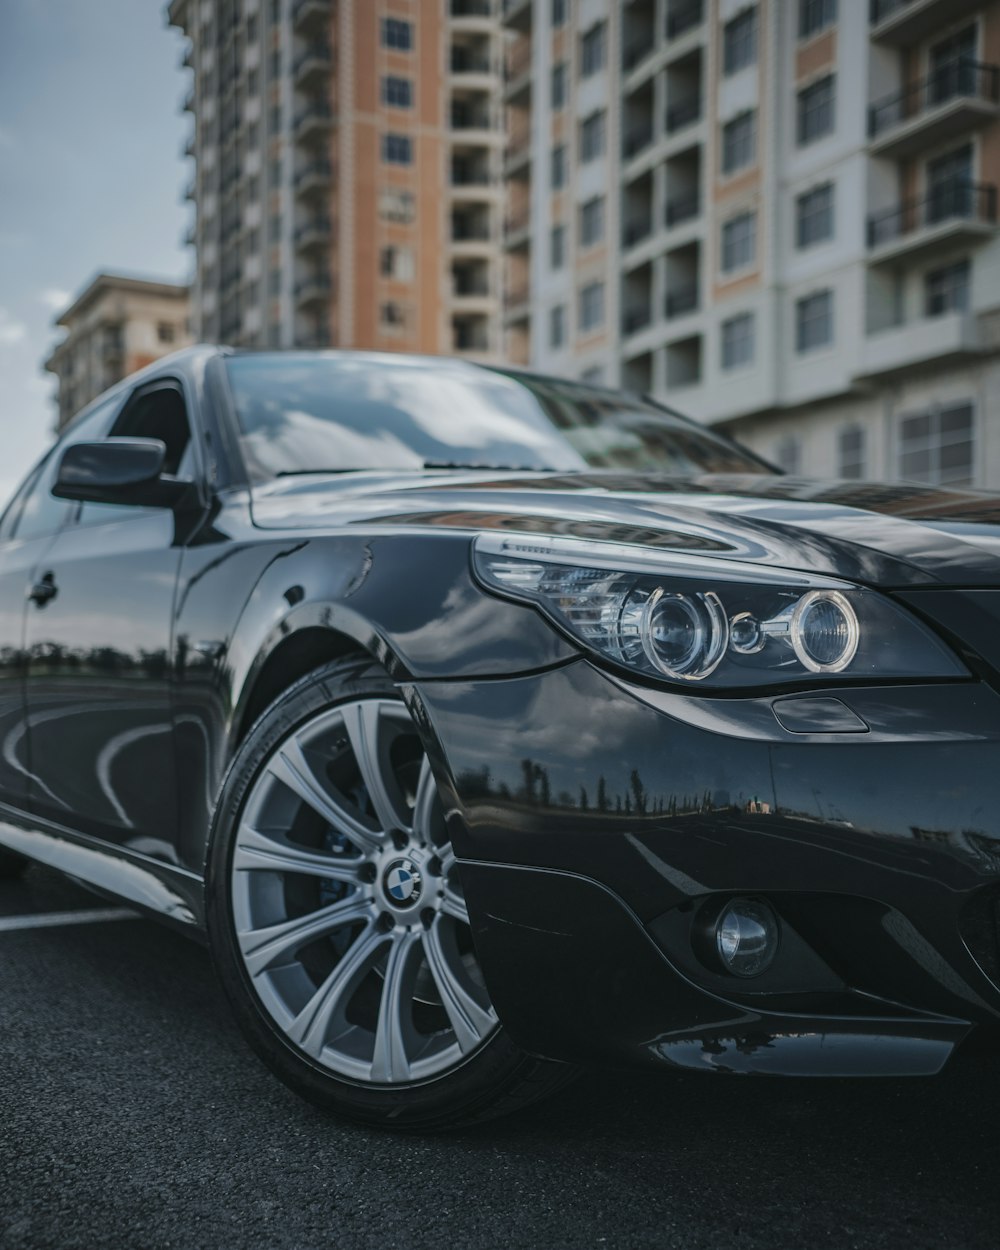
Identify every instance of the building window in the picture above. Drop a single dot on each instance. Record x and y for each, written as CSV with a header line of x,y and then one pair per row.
x,y
557,325
739,142
397,206
816,15
739,41
788,454
559,12
396,263
816,106
947,289
814,321
591,307
392,317
739,241
397,93
559,85
593,49
397,149
557,247
397,34
851,452
738,341
814,216
592,222
166,331
938,446
559,167
592,136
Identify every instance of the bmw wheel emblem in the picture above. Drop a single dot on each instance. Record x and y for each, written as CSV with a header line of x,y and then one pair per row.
x,y
402,882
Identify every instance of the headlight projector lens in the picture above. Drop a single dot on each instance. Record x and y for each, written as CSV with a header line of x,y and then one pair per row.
x,y
824,631
746,937
684,635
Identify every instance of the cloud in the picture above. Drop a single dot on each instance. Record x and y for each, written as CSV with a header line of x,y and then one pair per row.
x,y
11,330
55,299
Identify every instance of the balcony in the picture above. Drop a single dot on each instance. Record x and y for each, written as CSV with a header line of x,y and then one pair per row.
x,y
518,155
316,176
517,14
311,65
310,14
955,212
634,232
312,290
681,208
634,320
470,285
517,229
637,139
471,177
313,233
470,232
635,53
471,8
464,60
957,98
902,22
683,16
682,114
951,337
312,121
681,301
465,118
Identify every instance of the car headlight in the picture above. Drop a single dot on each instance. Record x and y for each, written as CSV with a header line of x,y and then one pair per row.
x,y
703,619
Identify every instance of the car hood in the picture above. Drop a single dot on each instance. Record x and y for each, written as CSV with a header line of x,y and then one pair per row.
x,y
889,535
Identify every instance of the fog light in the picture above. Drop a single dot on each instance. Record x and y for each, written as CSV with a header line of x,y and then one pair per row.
x,y
746,937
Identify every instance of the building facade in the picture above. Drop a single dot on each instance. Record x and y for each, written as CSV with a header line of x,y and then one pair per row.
x,y
114,326
779,216
348,162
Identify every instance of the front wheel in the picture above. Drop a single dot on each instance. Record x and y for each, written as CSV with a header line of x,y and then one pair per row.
x,y
337,919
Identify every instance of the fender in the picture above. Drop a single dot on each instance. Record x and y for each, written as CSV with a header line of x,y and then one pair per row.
x,y
314,599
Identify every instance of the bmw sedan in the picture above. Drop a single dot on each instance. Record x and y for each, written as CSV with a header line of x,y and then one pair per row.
x,y
488,726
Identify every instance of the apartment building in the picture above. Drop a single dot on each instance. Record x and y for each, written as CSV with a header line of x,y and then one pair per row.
x,y
780,217
348,159
116,325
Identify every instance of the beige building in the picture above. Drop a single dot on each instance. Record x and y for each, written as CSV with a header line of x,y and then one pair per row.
x,y
347,183
115,326
780,216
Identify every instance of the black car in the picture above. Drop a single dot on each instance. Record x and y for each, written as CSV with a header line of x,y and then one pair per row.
x,y
490,725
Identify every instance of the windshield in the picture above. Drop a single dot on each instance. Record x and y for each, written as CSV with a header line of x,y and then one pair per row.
x,y
327,412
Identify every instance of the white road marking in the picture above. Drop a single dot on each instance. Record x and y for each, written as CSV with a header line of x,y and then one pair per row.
x,y
48,920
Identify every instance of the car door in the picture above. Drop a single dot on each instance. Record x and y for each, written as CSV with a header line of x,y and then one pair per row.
x,y
99,656
27,530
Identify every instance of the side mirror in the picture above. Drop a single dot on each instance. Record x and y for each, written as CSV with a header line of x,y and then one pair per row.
x,y
119,470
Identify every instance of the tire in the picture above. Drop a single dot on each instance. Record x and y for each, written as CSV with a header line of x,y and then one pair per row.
x,y
337,923
11,864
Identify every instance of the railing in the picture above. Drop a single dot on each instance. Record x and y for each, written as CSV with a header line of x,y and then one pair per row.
x,y
516,222
635,231
468,232
319,227
321,113
469,119
635,319
479,285
317,284
318,52
681,208
463,177
954,200
463,61
681,300
637,138
960,78
879,10
683,113
682,17
322,170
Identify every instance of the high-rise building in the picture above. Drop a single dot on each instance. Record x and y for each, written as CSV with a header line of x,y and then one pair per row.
x,y
116,325
348,160
778,216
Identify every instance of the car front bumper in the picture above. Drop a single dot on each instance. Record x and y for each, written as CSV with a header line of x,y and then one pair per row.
x,y
597,819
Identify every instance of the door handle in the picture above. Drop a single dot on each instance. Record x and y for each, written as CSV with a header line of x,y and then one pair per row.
x,y
44,590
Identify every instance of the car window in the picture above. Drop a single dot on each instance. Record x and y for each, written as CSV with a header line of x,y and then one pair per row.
x,y
42,513
158,413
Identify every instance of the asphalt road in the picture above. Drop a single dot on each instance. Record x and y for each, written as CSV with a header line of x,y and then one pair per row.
x,y
132,1115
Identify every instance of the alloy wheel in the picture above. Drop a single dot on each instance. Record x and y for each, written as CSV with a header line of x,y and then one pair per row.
x,y
349,914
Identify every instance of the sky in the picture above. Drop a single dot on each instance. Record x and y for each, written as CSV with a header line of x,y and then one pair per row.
x,y
91,178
